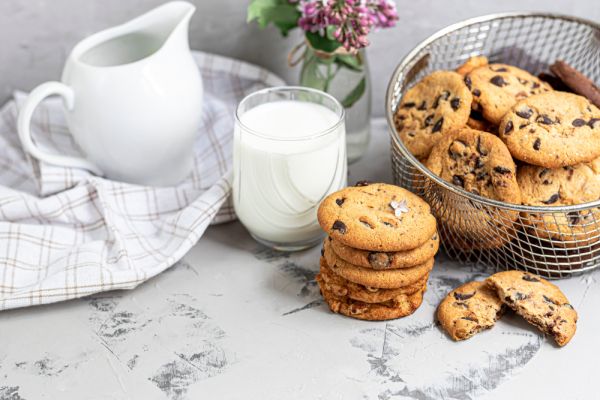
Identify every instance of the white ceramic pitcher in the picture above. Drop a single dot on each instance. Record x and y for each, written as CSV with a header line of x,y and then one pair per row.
x,y
133,100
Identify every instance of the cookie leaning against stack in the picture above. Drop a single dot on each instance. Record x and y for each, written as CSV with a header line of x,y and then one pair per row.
x,y
379,253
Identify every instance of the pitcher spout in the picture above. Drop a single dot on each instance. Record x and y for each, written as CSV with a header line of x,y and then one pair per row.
x,y
164,27
171,22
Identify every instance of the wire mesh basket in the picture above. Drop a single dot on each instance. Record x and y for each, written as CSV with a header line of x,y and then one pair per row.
x,y
555,242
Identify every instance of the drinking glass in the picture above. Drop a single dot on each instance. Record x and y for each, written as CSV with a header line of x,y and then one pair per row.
x,y
289,153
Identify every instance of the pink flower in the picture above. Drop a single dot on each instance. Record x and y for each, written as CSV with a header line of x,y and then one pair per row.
x,y
353,19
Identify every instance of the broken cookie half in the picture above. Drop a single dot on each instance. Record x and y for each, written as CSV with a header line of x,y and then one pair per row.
x,y
469,309
538,301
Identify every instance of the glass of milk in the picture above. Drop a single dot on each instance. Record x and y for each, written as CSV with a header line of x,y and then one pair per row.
x,y
289,152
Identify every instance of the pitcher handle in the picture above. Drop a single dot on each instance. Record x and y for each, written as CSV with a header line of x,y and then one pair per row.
x,y
24,122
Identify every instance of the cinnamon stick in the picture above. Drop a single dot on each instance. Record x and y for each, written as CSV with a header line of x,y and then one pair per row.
x,y
574,79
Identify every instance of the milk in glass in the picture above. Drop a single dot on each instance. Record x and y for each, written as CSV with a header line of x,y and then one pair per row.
x,y
288,155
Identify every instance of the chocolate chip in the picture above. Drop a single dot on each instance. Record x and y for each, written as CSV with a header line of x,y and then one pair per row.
x,y
526,113
537,143
549,300
411,134
472,319
543,172
481,176
535,85
476,92
445,95
501,69
422,106
592,122
523,126
553,199
468,81
478,163
379,260
429,120
502,170
530,278
339,202
508,127
544,119
578,122
453,155
569,305
522,81
339,226
480,150
463,296
362,183
438,125
409,105
458,180
520,296
498,81
322,251
455,103
574,217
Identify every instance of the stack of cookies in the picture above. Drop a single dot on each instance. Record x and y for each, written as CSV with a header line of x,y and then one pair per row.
x,y
380,250
500,132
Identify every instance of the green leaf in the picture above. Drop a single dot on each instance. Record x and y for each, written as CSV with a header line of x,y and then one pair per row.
x,y
322,43
280,13
350,61
355,94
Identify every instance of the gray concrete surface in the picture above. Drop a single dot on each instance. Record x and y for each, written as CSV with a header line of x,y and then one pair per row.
x,y
37,35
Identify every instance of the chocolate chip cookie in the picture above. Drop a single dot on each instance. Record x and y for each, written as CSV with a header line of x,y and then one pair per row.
x,y
471,64
554,129
387,260
386,279
538,301
469,309
478,162
439,102
398,307
497,87
343,287
378,217
559,187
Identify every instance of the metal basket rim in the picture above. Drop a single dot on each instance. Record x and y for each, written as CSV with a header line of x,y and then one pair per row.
x,y
421,167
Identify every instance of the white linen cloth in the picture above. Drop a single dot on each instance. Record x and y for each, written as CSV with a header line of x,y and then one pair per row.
x,y
65,233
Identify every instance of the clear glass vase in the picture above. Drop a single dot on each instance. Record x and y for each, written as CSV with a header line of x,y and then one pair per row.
x,y
346,77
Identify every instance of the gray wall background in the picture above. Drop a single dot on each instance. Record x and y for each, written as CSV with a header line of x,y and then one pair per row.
x,y
37,35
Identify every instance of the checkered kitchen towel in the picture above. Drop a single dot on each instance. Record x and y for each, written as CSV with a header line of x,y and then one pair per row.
x,y
65,233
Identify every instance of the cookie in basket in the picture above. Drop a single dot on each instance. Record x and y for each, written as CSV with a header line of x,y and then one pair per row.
x,y
398,307
378,217
552,130
538,301
562,186
497,87
386,260
438,103
386,279
479,163
343,287
469,309
471,64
